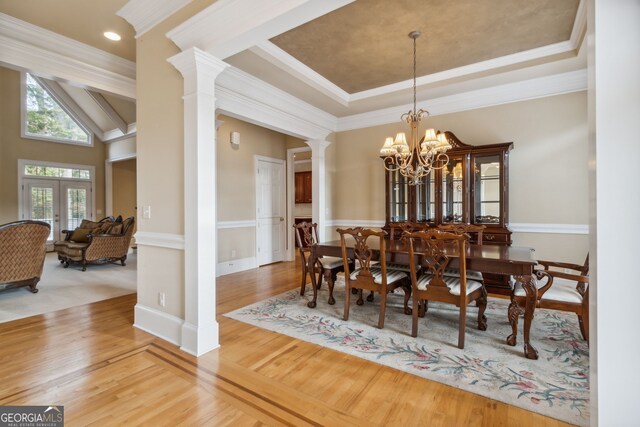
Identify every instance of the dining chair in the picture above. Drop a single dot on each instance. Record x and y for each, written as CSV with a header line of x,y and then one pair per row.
x,y
474,233
369,274
398,229
434,249
561,286
326,267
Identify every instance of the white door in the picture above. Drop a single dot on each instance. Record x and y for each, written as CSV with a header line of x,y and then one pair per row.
x,y
62,204
270,210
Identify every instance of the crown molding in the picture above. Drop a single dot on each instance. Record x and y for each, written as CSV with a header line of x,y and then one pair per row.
x,y
240,94
281,59
219,31
579,25
574,81
143,15
31,48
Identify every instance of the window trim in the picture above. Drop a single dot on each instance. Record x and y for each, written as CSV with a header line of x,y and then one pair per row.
x,y
62,104
21,175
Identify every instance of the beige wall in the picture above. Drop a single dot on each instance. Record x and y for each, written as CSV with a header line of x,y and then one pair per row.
x,y
124,189
159,140
548,166
14,147
236,181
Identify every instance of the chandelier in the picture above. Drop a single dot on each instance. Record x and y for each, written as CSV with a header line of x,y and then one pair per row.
x,y
417,158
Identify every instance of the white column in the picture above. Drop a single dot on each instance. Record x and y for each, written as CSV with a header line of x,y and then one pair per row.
x,y
318,184
199,70
614,144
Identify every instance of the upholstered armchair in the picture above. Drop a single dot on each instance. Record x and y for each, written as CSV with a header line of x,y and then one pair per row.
x,y
22,252
96,242
561,286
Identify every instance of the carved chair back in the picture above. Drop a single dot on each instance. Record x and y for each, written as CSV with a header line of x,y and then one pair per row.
x,y
433,246
467,229
363,256
399,229
306,235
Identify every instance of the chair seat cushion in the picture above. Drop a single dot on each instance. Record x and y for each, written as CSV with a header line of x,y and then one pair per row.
x,y
562,290
453,283
331,262
376,272
72,250
471,275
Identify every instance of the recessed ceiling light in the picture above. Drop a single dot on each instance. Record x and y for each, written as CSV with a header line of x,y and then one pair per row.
x,y
112,36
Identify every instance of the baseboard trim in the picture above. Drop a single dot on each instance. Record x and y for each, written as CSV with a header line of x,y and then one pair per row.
x,y
199,340
236,265
158,323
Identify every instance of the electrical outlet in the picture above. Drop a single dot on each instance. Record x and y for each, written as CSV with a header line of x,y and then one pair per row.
x,y
161,299
146,212
233,253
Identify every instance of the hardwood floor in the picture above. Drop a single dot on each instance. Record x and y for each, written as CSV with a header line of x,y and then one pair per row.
x,y
105,372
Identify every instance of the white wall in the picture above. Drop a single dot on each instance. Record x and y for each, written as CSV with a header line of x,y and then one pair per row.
x,y
614,119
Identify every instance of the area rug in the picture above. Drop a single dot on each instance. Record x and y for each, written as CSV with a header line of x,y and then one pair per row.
x,y
61,288
555,385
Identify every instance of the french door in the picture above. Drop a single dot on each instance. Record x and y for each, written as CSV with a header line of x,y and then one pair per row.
x,y
63,204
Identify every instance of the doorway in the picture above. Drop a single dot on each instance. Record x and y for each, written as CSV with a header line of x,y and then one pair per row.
x,y
60,195
270,210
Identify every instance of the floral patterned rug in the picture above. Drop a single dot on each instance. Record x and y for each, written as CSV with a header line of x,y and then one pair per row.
x,y
555,385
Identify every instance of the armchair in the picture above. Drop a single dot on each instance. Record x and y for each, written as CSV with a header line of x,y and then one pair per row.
x,y
22,253
566,288
104,241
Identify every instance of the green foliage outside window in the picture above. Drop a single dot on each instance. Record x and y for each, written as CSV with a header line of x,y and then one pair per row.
x,y
45,117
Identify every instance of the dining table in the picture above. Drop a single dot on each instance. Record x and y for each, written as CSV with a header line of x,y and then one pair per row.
x,y
517,262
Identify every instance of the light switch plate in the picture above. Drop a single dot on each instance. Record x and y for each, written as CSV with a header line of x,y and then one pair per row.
x,y
146,212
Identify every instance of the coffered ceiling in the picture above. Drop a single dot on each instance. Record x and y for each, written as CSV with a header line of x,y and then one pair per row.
x,y
365,45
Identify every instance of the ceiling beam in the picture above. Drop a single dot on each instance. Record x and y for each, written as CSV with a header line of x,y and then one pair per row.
x,y
68,104
218,31
109,111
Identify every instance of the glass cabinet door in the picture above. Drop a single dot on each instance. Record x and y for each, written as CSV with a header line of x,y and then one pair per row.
x,y
426,198
453,192
398,197
487,185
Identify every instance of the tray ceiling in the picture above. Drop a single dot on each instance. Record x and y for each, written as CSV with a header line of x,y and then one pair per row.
x,y
375,49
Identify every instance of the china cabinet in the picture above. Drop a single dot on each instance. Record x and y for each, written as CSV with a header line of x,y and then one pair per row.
x,y
472,188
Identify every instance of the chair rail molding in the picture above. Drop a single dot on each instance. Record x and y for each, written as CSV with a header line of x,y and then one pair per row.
x,y
236,224
143,15
549,228
160,240
48,54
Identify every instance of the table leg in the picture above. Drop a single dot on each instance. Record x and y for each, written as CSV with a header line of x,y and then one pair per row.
x,y
515,311
313,258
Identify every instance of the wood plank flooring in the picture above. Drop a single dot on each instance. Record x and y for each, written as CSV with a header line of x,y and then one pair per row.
x,y
105,372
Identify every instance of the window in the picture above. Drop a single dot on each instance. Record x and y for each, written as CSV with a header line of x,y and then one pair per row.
x,y
56,172
46,118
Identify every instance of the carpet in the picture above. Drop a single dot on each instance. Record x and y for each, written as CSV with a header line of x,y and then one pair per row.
x,y
61,288
555,385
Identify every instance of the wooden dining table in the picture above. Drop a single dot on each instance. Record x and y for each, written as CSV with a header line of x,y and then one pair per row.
x,y
507,260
